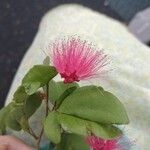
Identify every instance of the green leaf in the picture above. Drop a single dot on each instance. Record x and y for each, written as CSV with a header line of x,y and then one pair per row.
x,y
37,77
72,142
83,127
20,95
52,128
56,89
17,113
64,95
95,104
14,117
46,61
13,123
3,115
24,123
32,103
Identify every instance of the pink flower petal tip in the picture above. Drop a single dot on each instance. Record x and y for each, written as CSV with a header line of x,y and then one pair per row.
x,y
77,60
97,143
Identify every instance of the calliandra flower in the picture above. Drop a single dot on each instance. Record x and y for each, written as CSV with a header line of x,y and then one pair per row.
x,y
121,143
97,143
77,60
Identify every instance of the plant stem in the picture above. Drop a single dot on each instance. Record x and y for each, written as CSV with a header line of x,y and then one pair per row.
x,y
31,132
47,96
39,139
54,106
47,110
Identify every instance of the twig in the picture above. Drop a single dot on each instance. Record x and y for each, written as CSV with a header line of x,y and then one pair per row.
x,y
54,106
47,110
39,139
31,132
47,96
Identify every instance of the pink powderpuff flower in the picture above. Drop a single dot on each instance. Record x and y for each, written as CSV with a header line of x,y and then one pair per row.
x,y
77,60
97,143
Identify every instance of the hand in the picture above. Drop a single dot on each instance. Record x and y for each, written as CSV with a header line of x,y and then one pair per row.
x,y
12,143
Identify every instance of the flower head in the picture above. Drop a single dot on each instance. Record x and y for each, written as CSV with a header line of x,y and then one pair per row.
x,y
97,143
77,60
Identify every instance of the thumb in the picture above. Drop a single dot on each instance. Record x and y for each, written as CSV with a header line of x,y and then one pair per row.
x,y
3,147
12,143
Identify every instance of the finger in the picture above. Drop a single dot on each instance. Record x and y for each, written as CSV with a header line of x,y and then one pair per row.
x,y
3,147
14,143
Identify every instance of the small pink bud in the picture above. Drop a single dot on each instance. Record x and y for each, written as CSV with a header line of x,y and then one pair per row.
x,y
97,143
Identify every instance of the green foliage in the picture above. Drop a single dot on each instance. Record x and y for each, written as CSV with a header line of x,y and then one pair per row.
x,y
77,111
24,123
72,142
20,95
29,103
83,127
66,93
37,77
95,104
52,128
32,103
57,89
3,115
78,126
14,117
17,113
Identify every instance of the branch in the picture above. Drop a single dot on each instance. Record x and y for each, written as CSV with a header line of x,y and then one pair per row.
x,y
47,110
31,132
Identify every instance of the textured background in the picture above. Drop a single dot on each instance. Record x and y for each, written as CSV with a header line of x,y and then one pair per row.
x,y
19,20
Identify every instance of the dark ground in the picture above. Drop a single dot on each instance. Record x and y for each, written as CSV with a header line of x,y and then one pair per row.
x,y
19,20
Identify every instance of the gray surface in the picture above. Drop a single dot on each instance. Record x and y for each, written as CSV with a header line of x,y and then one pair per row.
x,y
128,8
140,25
